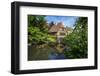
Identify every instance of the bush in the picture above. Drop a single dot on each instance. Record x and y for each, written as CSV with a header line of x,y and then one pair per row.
x,y
77,40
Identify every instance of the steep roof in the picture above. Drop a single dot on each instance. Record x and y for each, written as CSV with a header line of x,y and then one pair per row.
x,y
60,24
55,28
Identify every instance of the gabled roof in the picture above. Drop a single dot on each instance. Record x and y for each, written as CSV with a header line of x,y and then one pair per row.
x,y
60,24
56,28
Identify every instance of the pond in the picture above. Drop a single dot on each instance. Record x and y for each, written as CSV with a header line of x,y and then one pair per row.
x,y
46,53
56,56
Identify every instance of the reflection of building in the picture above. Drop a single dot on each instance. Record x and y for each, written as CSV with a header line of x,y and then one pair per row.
x,y
59,31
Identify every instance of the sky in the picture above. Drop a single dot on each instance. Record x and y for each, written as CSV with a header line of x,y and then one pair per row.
x,y
66,20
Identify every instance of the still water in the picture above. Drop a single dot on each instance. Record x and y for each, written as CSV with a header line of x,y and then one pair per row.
x,y
54,55
46,53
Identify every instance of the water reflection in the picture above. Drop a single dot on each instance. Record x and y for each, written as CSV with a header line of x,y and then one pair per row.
x,y
46,53
56,56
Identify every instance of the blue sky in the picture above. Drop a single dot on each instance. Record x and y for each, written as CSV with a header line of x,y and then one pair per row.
x,y
67,20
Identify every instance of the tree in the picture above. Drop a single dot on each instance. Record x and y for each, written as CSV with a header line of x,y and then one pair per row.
x,y
38,21
77,40
51,24
38,30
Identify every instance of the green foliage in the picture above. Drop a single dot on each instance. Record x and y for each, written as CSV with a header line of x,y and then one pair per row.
x,y
74,44
77,40
38,30
51,38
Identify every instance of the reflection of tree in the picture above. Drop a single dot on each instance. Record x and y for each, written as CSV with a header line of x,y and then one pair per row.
x,y
77,40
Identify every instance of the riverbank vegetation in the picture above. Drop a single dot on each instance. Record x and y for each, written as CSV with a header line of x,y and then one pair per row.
x,y
41,44
78,40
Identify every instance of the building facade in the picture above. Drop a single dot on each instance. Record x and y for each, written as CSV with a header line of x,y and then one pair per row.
x,y
59,31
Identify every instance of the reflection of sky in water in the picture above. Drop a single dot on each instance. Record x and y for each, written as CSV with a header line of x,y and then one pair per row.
x,y
67,20
56,56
